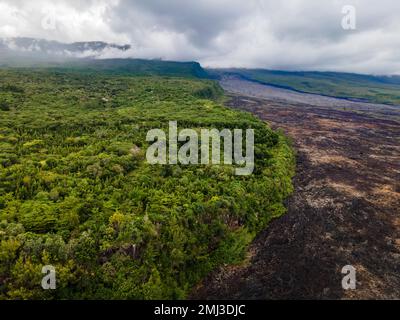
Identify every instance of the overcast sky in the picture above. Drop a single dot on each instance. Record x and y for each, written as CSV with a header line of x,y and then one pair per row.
x,y
287,34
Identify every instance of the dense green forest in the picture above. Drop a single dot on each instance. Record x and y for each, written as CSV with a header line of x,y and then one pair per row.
x,y
377,89
138,67
77,193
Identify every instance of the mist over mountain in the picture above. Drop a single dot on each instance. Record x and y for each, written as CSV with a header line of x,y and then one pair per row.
x,y
21,50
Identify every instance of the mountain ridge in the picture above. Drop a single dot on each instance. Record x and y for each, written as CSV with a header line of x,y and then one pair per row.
x,y
86,49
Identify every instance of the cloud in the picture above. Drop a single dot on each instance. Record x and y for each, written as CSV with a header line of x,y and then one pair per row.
x,y
289,34
57,20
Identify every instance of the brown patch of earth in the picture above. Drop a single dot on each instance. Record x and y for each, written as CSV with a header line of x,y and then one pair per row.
x,y
345,209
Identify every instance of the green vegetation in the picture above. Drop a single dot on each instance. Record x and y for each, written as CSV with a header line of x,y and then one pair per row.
x,y
128,67
141,67
77,193
342,85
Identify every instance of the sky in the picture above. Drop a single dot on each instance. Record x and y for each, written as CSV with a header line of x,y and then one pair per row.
x,y
286,34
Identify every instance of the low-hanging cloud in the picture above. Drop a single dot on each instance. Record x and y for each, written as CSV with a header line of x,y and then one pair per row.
x,y
289,34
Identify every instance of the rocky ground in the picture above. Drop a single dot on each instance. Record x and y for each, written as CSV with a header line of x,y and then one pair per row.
x,y
345,209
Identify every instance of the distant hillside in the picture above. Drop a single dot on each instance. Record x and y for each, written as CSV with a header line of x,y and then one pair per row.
x,y
378,89
40,48
138,67
92,56
135,67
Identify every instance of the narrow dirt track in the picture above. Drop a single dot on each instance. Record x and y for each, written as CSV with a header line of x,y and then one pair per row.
x,y
345,209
